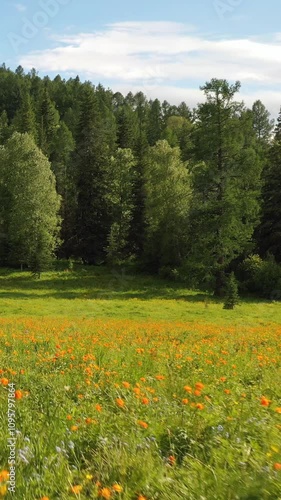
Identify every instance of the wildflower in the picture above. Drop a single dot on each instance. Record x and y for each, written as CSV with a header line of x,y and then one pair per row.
x,y
74,428
18,394
69,417
127,385
98,408
278,410
227,391
44,498
197,393
185,401
172,460
199,406
141,497
89,477
4,475
4,381
76,489
3,490
277,466
142,424
199,386
265,401
145,401
120,402
117,487
188,389
105,493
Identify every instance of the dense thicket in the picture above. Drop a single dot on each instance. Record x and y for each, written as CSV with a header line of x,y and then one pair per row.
x,y
178,191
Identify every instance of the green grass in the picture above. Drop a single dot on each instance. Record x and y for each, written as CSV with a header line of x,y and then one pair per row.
x,y
99,293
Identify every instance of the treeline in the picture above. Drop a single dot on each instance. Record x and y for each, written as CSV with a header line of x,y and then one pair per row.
x,y
89,174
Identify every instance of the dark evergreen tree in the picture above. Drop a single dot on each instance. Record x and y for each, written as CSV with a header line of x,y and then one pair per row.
x,y
91,160
269,232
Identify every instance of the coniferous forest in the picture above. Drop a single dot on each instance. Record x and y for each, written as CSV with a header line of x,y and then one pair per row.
x,y
92,175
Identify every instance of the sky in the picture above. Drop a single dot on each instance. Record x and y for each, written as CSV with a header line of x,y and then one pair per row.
x,y
167,49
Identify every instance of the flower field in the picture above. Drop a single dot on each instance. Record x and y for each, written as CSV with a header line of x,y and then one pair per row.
x,y
136,410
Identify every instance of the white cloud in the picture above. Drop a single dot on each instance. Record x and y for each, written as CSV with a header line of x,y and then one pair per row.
x,y
20,7
164,55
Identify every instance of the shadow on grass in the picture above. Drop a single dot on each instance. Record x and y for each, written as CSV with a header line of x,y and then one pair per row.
x,y
94,284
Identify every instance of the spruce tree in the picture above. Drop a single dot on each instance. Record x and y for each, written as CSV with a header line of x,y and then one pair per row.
x,y
91,162
231,296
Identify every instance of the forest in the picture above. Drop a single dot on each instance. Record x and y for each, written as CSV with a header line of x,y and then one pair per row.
x,y
106,179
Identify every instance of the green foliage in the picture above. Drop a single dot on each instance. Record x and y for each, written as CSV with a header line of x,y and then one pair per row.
x,y
120,200
167,188
262,276
29,204
222,222
231,293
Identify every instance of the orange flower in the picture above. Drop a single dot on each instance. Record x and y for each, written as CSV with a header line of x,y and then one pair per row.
x,y
4,475
141,497
98,408
278,410
18,394
199,386
4,381
160,377
105,493
188,389
76,489
200,406
265,401
197,393
277,466
120,402
127,385
117,487
69,417
185,401
44,498
142,424
227,391
145,401
74,428
3,490
172,460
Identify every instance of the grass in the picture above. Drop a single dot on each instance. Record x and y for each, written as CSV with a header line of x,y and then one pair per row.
x,y
98,293
132,388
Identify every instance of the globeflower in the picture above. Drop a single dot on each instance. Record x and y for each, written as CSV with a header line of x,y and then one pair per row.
x,y
265,401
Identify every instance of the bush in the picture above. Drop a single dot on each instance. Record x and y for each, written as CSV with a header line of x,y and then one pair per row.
x,y
262,277
232,297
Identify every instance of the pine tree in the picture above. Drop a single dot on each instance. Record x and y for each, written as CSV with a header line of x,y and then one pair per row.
x,y
231,296
223,221
24,121
91,162
48,119
155,122
269,232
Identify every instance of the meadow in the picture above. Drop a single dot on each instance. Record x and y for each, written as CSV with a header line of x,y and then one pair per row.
x,y
133,388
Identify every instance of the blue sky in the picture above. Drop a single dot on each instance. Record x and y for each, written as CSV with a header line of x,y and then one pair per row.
x,y
165,48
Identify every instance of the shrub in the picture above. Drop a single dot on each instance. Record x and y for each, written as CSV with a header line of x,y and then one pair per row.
x,y
232,297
